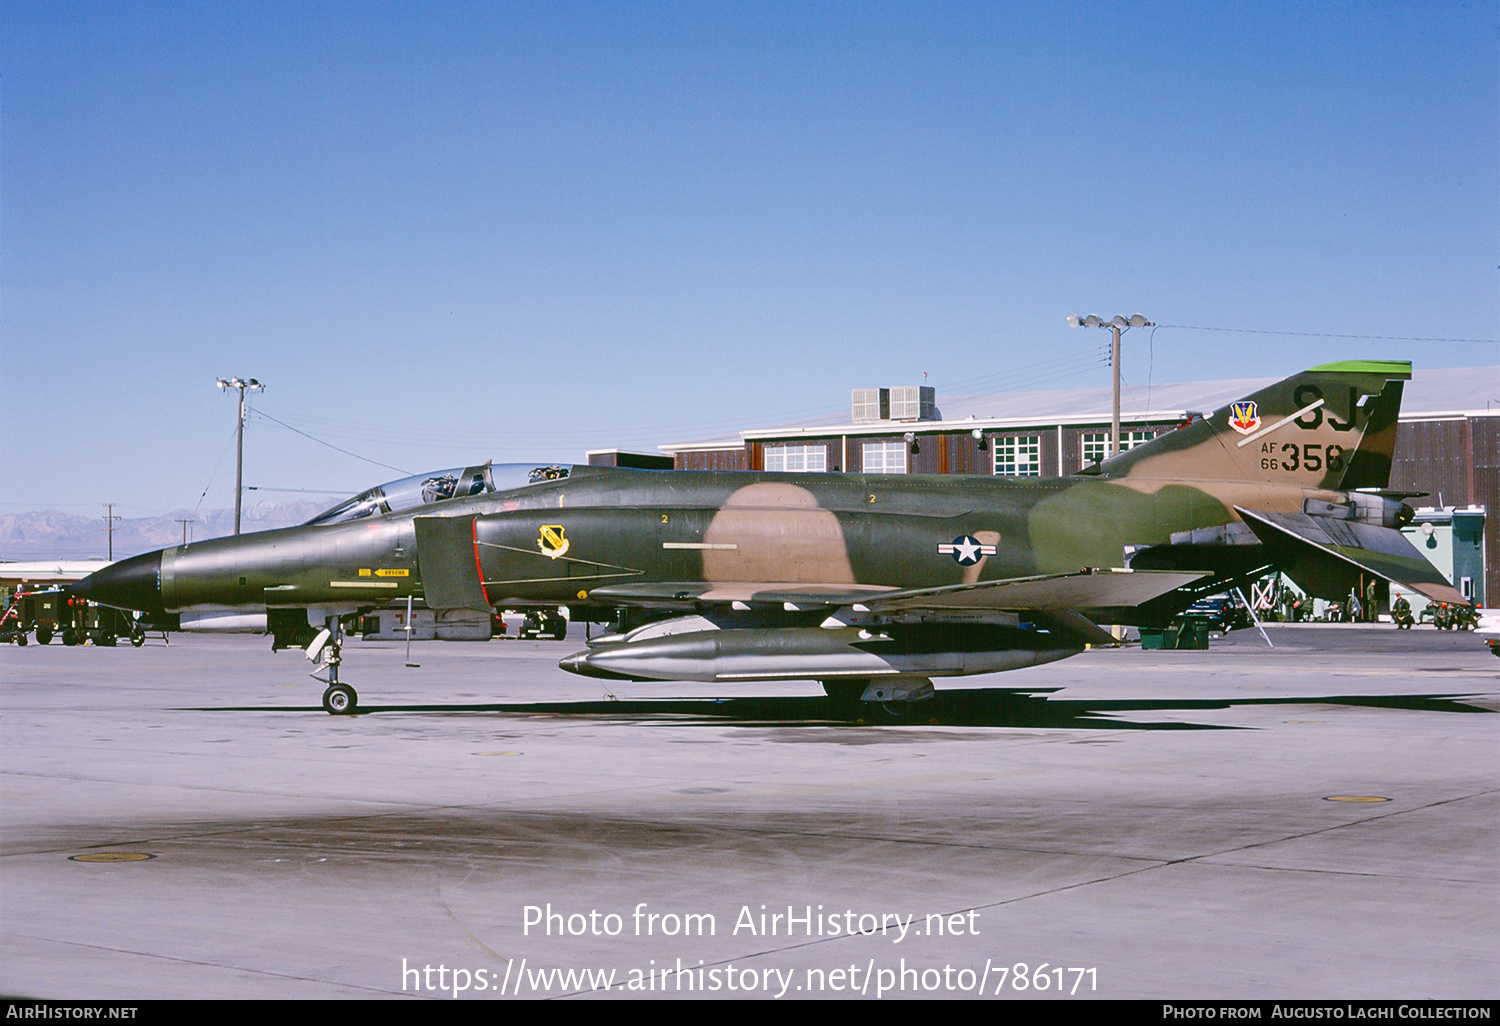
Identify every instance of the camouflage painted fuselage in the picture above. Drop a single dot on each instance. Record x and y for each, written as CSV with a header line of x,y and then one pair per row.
x,y
748,532
546,543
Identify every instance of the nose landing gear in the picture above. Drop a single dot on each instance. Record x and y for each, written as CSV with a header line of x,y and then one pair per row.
x,y
339,699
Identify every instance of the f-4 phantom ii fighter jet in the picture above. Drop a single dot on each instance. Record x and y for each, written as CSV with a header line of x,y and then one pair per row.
x,y
870,584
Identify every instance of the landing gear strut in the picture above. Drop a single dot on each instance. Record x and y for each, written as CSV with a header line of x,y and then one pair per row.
x,y
339,699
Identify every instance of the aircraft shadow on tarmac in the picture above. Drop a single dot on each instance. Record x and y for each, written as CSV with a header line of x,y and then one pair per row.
x,y
986,707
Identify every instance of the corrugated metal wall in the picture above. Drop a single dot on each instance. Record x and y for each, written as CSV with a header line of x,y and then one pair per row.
x,y
1457,463
712,459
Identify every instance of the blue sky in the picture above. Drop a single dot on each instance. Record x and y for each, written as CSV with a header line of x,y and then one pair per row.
x,y
443,233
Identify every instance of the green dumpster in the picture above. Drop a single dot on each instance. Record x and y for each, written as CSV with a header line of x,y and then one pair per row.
x,y
1194,632
1183,632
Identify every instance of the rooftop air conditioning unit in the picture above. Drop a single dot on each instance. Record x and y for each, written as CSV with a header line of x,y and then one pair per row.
x,y
870,404
913,402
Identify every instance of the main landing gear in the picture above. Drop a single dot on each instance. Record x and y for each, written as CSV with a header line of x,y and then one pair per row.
x,y
339,699
900,697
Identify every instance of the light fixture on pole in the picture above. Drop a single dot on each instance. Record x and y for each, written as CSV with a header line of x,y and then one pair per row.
x,y
1116,326
239,453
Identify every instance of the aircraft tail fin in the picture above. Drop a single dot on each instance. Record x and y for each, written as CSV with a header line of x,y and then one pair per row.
x,y
1333,426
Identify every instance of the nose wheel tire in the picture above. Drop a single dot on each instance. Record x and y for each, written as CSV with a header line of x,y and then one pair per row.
x,y
340,700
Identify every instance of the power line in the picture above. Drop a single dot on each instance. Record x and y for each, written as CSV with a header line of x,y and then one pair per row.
x,y
217,465
346,452
1329,334
1027,375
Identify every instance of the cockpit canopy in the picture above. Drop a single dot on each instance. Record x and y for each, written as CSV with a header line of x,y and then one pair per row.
x,y
437,486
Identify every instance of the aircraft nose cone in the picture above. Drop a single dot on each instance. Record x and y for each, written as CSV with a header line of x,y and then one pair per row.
x,y
133,583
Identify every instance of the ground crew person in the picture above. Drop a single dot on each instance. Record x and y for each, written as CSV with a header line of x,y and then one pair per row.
x,y
1401,612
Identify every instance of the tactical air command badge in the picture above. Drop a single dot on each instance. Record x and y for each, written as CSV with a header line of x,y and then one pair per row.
x,y
966,550
1243,416
551,540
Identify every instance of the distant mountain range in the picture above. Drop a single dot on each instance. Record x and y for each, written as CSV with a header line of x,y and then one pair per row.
x,y
48,534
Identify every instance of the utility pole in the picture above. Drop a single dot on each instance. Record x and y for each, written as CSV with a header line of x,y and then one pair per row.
x,y
239,452
1116,325
184,521
109,527
1093,321
1114,363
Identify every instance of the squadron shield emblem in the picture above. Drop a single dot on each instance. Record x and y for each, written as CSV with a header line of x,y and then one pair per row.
x,y
1244,417
551,540
966,550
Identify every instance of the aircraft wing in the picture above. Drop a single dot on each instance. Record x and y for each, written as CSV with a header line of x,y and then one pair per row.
x,y
692,594
1098,589
1382,551
947,637
1094,589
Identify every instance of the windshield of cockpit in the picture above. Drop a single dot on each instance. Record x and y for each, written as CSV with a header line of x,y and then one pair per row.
x,y
436,486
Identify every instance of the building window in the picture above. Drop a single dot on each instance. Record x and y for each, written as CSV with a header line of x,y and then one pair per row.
x,y
1096,444
801,459
1019,456
884,457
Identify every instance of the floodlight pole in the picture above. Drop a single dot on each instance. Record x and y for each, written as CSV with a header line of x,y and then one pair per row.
x,y
239,450
1114,362
1115,326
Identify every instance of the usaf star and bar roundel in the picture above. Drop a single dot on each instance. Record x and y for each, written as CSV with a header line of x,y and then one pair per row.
x,y
966,550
